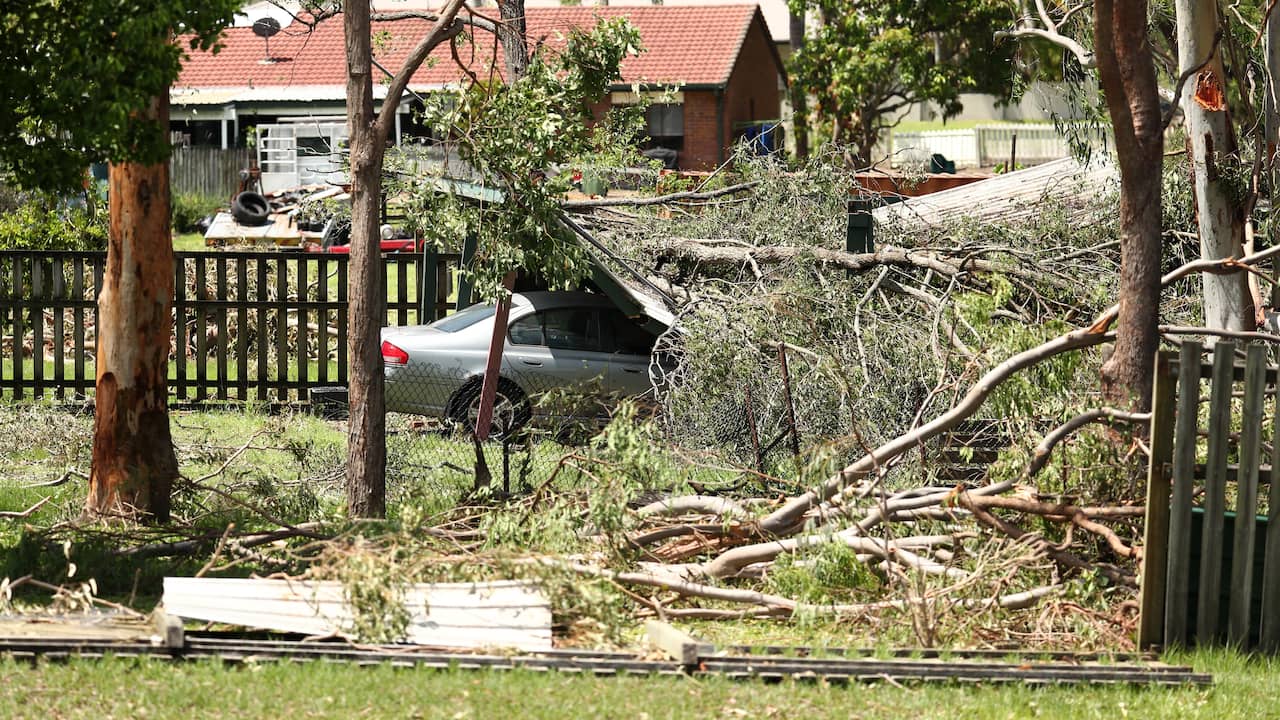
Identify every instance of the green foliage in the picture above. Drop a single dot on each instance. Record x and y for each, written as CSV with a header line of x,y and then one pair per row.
x,y
318,212
867,62
42,223
79,73
1026,391
511,135
374,587
826,573
187,209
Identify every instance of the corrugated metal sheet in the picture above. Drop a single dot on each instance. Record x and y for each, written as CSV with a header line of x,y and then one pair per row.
x,y
1061,184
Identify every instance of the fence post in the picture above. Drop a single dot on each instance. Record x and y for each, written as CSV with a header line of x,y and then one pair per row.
x,y
1240,603
464,283
1269,635
1156,537
1184,468
1215,490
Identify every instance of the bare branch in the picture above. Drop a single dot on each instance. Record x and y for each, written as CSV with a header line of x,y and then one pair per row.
x,y
446,28
1082,54
659,199
1040,456
700,504
789,518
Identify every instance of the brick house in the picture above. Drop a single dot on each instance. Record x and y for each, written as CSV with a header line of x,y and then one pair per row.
x,y
719,59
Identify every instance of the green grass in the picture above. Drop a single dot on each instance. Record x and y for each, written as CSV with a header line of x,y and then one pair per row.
x,y
189,242
1246,688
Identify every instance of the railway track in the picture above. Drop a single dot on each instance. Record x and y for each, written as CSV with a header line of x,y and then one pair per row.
x,y
740,663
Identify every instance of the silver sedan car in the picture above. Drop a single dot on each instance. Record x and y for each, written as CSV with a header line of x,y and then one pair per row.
x,y
576,341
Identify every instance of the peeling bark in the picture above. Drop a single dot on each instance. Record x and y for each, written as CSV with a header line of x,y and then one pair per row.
x,y
1227,302
133,461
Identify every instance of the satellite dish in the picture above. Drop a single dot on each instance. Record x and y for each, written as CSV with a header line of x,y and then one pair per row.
x,y
266,27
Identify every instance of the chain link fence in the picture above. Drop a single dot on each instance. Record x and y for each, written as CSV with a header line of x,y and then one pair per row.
x,y
546,420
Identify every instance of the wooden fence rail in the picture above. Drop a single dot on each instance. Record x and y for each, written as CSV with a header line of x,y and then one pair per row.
x,y
1212,574
248,326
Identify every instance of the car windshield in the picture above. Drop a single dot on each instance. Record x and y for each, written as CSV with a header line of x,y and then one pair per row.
x,y
464,318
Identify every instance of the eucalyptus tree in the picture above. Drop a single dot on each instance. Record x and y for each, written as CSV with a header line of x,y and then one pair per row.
x,y
1122,56
1211,144
86,81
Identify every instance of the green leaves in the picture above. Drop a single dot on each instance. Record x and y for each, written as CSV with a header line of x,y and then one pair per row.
x,y
79,72
512,135
867,61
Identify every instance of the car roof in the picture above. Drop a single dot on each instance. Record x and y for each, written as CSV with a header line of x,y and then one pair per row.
x,y
549,299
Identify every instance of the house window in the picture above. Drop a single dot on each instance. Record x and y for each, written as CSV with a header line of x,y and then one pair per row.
x,y
665,126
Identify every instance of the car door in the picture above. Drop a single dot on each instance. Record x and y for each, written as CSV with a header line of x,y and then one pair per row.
x,y
630,347
557,348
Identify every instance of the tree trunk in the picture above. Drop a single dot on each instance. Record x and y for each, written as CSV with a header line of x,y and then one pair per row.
x,y
1271,102
133,462
799,103
1227,303
511,33
366,434
1128,79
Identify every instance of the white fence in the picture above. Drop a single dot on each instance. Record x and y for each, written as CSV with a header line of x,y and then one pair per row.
x,y
981,146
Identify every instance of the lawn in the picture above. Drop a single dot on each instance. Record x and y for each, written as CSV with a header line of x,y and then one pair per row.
x,y
189,242
121,688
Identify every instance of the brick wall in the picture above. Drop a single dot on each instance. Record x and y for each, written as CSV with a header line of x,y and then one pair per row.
x,y
752,93
702,149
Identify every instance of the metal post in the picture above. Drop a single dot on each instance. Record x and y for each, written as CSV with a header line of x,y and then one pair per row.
x,y
859,228
791,408
1013,152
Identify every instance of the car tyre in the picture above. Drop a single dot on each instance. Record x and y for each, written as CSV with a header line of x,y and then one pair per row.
x,y
511,408
250,208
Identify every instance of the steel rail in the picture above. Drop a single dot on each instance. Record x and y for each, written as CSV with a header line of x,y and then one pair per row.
x,y
1060,670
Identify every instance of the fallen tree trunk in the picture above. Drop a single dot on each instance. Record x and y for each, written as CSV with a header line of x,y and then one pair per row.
x,y
736,254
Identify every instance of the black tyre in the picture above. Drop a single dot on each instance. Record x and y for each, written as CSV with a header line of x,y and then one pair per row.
x,y
511,409
250,208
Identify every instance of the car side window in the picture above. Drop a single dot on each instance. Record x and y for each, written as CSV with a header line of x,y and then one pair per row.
x,y
562,328
572,329
526,331
622,335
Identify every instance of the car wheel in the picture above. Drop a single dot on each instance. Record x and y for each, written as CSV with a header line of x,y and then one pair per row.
x,y
250,208
511,410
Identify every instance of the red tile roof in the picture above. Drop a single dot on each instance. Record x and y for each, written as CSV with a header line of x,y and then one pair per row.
x,y
683,45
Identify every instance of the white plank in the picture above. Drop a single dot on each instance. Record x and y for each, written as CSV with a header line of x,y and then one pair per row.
x,y
500,614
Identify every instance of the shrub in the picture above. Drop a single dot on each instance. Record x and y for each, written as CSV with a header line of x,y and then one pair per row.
x,y
188,209
41,223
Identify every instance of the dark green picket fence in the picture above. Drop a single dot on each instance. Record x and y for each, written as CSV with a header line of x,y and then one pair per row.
x,y
261,326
